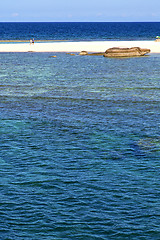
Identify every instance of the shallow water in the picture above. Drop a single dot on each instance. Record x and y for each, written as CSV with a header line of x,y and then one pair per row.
x,y
80,147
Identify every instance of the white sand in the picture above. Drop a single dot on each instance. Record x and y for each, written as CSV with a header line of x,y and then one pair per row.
x,y
90,46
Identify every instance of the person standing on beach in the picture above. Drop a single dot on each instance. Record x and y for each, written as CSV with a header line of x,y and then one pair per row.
x,y
33,41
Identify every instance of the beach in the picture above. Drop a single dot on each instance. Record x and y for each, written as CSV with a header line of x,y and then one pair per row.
x,y
75,46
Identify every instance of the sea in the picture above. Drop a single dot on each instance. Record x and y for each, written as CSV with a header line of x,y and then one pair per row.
x,y
79,137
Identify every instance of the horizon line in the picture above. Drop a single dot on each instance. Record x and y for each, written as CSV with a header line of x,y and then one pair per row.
x,y
79,21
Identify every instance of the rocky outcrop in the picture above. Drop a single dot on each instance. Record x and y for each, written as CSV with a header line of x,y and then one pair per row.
x,y
97,54
119,52
126,52
83,53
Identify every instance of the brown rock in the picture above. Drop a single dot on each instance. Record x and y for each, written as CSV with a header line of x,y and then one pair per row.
x,y
97,54
126,52
82,53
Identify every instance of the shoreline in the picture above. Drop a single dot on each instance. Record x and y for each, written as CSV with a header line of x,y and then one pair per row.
x,y
26,41
73,46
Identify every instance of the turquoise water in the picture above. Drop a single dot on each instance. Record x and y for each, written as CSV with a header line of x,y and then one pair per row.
x,y
80,147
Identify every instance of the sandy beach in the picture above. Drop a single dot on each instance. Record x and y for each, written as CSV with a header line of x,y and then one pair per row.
x,y
64,46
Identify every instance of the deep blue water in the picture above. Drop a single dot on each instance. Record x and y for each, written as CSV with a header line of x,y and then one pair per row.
x,y
79,147
80,31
